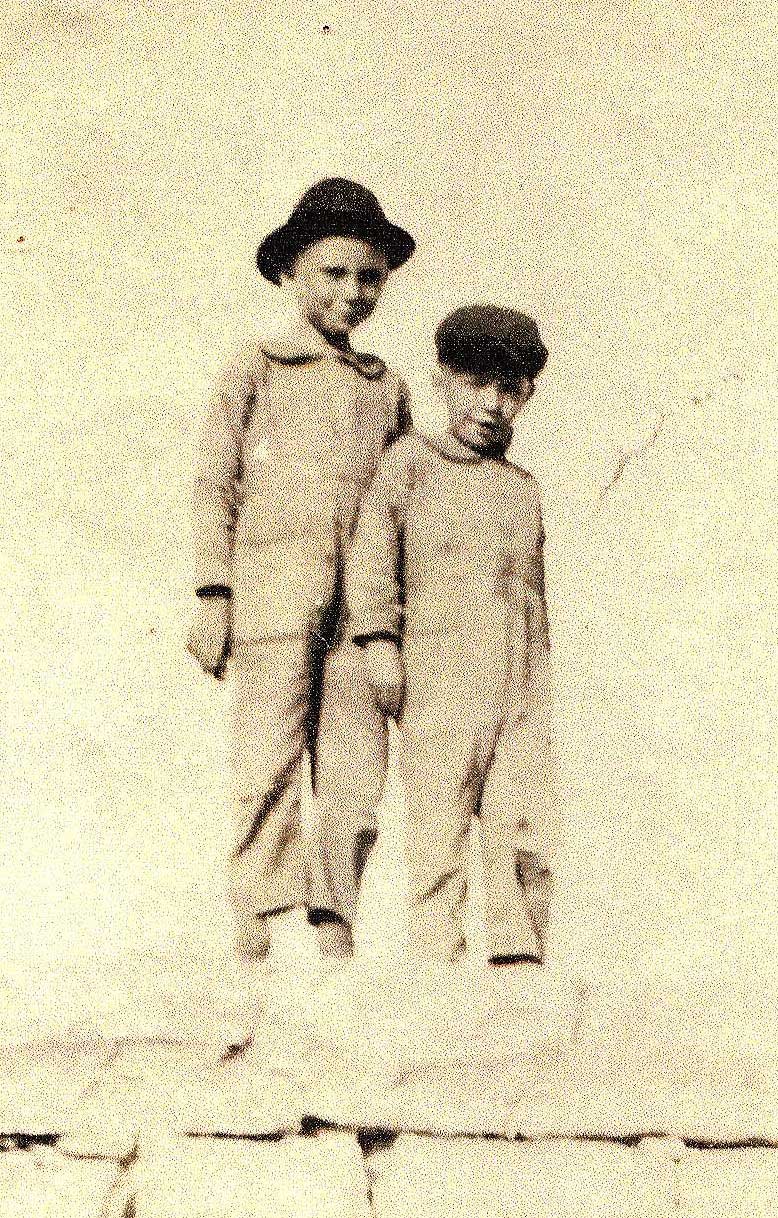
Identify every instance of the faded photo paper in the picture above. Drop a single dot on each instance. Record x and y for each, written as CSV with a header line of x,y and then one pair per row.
x,y
609,171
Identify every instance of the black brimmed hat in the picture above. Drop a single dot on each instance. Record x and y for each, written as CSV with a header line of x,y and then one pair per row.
x,y
486,338
335,207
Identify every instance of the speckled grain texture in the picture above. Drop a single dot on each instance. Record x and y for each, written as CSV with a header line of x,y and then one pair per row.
x,y
609,168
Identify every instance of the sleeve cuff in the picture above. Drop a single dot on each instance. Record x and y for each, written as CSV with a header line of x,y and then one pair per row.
x,y
211,591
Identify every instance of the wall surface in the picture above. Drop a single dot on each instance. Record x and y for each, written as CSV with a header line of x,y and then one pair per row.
x,y
612,169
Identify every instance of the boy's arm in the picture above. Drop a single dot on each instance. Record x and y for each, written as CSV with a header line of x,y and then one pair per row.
x,y
218,472
539,643
373,592
373,582
399,408
536,581
404,420
215,503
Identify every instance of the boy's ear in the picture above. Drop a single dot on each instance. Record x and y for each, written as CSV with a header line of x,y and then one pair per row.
x,y
437,375
286,271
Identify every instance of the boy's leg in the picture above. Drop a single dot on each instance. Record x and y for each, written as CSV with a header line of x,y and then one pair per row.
x,y
271,686
442,740
518,826
349,772
438,817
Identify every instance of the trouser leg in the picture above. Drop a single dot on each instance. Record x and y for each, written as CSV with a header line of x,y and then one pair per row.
x,y
348,775
439,800
272,698
518,827
453,702
439,745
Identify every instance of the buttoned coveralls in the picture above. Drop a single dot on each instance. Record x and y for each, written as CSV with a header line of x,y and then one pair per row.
x,y
291,440
448,558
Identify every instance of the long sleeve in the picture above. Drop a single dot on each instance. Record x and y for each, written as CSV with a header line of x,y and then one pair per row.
x,y
215,501
538,638
536,589
526,588
373,576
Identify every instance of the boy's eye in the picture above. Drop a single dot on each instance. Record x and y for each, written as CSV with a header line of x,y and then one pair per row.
x,y
371,278
517,389
335,272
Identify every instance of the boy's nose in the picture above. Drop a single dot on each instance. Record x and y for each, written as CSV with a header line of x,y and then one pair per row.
x,y
352,289
489,399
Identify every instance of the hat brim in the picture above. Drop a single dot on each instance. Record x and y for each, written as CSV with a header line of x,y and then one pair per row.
x,y
279,249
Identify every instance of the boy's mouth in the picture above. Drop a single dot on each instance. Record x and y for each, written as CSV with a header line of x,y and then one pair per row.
x,y
342,320
355,314
489,432
489,425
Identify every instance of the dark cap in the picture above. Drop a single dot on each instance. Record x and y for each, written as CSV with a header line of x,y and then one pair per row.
x,y
334,207
486,338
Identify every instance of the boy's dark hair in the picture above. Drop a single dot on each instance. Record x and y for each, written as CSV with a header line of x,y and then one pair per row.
x,y
486,340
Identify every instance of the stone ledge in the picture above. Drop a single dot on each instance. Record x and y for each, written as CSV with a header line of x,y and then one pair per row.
x,y
332,1174
40,1182
297,1177
446,1178
446,1053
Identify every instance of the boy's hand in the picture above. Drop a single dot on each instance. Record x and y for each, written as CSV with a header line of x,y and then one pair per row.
x,y
209,638
386,674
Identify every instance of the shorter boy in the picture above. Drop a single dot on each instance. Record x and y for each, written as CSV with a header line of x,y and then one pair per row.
x,y
445,591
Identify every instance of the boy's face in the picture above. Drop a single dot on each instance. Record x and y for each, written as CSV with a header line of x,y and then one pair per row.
x,y
337,282
481,408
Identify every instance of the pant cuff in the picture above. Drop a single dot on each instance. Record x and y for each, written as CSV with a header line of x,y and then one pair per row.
x,y
253,931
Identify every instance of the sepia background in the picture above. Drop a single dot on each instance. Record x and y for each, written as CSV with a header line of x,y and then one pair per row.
x,y
611,168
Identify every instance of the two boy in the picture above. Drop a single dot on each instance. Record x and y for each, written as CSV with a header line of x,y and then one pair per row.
x,y
346,586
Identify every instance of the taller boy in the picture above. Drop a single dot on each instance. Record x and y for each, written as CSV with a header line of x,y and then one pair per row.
x,y
291,441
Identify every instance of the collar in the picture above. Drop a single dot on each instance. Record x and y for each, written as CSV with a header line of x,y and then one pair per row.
x,y
304,345
449,446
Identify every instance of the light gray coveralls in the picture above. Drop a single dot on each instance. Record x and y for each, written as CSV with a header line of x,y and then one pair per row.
x,y
291,441
448,558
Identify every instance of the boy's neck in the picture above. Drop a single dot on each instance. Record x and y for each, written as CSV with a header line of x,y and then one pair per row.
x,y
338,342
452,447
300,341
